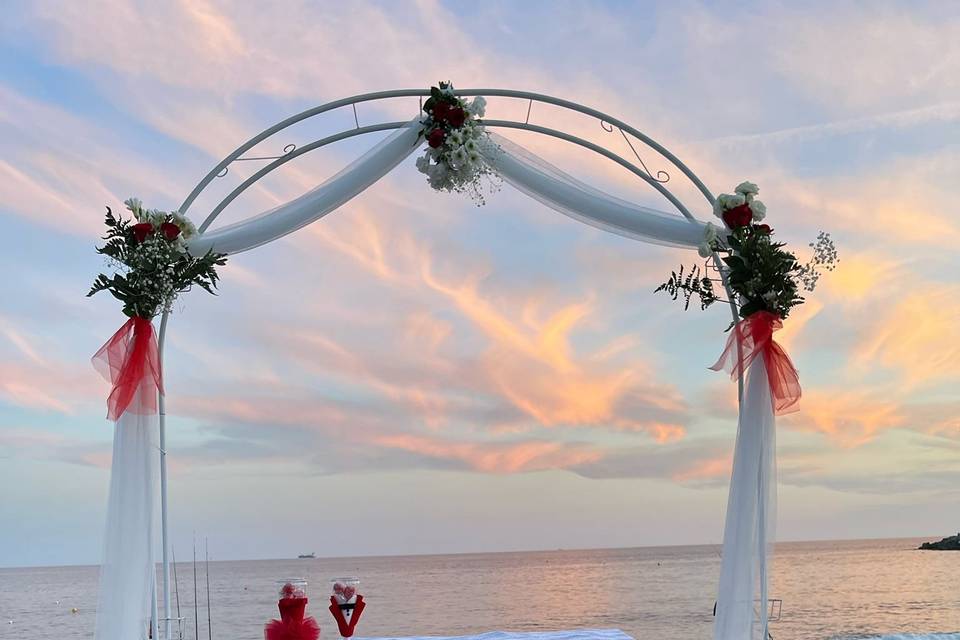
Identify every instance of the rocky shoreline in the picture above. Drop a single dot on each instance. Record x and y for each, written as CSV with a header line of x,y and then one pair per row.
x,y
950,543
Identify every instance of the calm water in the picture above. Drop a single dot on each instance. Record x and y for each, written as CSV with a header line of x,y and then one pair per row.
x,y
851,589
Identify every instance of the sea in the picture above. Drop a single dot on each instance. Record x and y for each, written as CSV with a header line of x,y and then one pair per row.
x,y
829,590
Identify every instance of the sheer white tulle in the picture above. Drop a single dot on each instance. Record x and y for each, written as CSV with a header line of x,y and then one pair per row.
x,y
128,571
544,182
742,609
317,202
525,171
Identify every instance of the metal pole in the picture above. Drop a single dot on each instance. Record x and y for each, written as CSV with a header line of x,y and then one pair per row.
x,y
164,540
153,608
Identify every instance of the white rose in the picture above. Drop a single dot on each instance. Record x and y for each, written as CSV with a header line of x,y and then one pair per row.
x,y
423,163
478,107
717,208
188,230
759,210
731,200
747,189
705,250
710,233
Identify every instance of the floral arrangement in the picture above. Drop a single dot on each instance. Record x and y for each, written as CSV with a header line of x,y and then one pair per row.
x,y
761,273
456,140
153,264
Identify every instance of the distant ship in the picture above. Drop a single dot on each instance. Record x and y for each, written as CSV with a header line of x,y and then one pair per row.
x,y
307,555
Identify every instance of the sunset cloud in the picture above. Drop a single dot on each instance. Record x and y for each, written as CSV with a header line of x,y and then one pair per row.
x,y
411,332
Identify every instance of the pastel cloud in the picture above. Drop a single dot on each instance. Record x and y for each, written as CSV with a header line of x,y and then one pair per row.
x,y
410,331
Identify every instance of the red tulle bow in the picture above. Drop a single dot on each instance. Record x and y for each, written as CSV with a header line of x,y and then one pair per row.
x,y
346,628
292,624
130,361
754,334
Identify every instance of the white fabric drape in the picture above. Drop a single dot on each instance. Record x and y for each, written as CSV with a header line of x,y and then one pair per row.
x,y
542,181
128,570
317,202
520,168
742,608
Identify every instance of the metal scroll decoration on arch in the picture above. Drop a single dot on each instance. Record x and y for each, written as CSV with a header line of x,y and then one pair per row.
x,y
289,148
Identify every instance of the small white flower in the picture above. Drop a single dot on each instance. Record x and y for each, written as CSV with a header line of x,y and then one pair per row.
x,y
135,206
478,107
759,210
747,189
456,139
705,250
471,145
459,157
438,172
423,163
447,88
473,156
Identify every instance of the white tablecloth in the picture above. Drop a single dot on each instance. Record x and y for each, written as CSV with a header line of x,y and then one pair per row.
x,y
576,634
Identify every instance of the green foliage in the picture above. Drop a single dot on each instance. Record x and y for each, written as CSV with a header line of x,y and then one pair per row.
x,y
761,272
689,286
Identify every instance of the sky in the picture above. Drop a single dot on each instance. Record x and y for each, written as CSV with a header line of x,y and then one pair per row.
x,y
414,374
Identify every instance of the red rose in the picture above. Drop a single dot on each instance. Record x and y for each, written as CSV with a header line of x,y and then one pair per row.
x,y
440,111
764,229
436,137
738,216
142,230
456,116
169,230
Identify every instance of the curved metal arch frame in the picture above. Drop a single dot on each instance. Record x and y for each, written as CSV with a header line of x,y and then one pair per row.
x,y
279,161
607,122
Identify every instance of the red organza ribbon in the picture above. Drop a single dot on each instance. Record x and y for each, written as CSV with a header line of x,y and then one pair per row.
x,y
754,334
130,361
292,624
346,628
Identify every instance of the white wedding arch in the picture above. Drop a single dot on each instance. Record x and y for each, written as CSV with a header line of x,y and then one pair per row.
x,y
128,584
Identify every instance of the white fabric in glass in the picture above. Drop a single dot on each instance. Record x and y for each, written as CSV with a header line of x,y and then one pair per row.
x,y
128,571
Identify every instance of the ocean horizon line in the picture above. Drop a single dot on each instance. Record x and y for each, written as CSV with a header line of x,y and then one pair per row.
x,y
367,556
